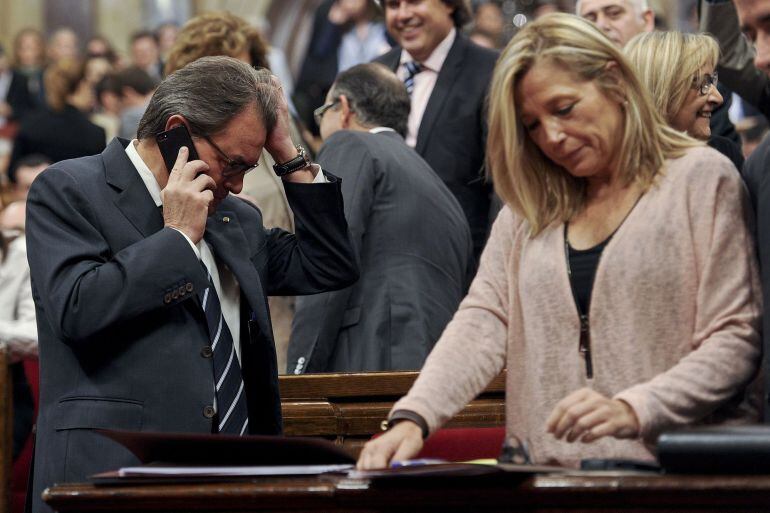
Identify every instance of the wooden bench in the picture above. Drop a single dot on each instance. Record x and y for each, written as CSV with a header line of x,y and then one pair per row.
x,y
349,408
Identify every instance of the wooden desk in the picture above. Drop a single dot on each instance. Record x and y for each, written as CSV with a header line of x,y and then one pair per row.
x,y
348,408
539,494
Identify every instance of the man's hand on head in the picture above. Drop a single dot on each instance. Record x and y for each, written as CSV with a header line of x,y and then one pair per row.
x,y
279,144
187,196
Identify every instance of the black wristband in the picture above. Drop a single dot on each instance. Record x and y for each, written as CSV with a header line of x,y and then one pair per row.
x,y
301,161
399,415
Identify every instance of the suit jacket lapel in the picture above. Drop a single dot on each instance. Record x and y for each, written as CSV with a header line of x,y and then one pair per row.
x,y
132,198
447,78
228,242
391,59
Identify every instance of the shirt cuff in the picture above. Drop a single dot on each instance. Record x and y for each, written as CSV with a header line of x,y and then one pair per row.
x,y
320,177
192,245
399,415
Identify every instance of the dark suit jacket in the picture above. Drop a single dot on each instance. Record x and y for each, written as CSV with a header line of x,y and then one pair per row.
x,y
757,177
57,135
120,327
415,258
319,67
452,134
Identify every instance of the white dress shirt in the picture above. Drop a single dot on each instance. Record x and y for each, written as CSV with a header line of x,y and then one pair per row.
x,y
17,309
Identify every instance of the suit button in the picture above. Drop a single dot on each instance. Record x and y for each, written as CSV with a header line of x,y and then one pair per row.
x,y
182,291
167,298
189,287
175,294
301,360
209,412
206,352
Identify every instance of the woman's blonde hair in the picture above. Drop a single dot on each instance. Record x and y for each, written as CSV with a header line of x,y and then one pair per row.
x,y
524,177
216,33
62,78
669,64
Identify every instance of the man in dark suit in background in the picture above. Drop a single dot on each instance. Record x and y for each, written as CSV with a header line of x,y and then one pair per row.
x,y
448,77
157,321
407,228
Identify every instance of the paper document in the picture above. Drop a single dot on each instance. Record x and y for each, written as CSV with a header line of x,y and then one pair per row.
x,y
260,470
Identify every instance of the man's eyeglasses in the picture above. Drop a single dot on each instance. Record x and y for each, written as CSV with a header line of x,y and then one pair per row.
x,y
318,114
706,82
233,167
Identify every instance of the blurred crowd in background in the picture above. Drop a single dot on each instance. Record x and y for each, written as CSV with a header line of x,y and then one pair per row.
x,y
62,96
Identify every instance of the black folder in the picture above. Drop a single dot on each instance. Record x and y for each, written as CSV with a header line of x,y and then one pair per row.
x,y
231,450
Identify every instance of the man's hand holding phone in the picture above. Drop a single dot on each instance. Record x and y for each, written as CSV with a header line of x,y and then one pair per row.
x,y
187,196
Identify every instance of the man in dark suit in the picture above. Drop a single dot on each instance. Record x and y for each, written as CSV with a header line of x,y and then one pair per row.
x,y
448,77
753,16
157,321
409,231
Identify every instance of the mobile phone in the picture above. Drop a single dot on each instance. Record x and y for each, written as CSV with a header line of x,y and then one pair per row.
x,y
171,140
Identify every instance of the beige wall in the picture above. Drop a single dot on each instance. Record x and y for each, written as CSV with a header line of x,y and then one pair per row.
x,y
250,10
116,19
15,15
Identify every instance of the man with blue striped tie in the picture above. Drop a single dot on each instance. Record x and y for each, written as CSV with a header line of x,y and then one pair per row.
x,y
150,283
447,77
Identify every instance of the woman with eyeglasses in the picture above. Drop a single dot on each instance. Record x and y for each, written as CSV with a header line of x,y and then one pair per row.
x,y
619,285
680,71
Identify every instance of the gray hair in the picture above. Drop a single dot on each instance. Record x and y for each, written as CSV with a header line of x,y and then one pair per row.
x,y
208,93
376,95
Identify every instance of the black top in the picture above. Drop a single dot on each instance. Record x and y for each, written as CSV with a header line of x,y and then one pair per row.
x,y
59,135
727,148
582,266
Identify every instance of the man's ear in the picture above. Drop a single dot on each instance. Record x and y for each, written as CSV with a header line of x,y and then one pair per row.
x,y
346,113
175,121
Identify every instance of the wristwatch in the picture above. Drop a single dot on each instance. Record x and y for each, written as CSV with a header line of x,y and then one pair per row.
x,y
301,161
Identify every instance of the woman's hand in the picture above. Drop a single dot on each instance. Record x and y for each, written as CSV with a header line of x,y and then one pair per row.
x,y
587,415
402,442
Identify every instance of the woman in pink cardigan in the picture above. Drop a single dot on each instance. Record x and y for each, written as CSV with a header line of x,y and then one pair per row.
x,y
619,285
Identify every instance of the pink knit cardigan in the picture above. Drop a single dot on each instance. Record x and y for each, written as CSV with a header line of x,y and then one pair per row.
x,y
674,316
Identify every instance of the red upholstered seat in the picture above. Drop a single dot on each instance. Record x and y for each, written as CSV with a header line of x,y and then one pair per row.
x,y
462,444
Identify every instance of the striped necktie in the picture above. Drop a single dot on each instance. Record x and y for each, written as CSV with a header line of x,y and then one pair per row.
x,y
412,68
232,415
